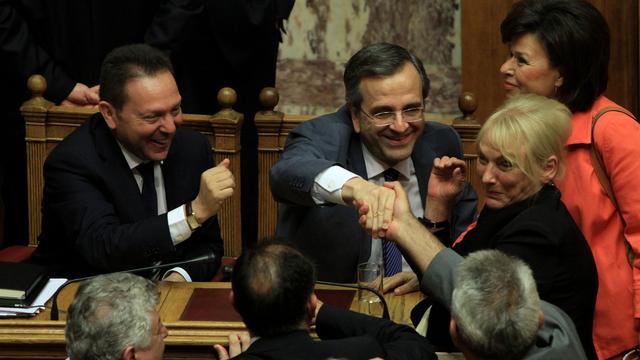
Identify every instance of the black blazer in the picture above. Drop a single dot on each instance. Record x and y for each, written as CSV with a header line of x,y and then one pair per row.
x,y
540,231
345,335
93,216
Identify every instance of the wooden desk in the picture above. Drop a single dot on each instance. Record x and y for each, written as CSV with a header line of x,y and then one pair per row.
x,y
40,338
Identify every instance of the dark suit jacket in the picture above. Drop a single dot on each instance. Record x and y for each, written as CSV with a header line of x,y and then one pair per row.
x,y
331,235
345,334
557,339
93,216
540,231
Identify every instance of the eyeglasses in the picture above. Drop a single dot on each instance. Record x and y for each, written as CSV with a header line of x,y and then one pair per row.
x,y
632,355
386,118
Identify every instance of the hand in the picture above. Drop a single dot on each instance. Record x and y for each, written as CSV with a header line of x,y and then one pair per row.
x,y
81,95
401,283
401,210
447,178
319,304
175,277
238,342
379,204
216,185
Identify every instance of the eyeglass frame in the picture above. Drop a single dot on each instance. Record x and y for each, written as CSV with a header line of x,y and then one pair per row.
x,y
376,122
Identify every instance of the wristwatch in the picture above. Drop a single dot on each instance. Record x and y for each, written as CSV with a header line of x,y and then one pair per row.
x,y
434,225
191,217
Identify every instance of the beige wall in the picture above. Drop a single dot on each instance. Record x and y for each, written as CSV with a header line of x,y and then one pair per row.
x,y
323,34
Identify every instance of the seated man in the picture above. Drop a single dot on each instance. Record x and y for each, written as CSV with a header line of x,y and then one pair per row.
x,y
113,317
130,188
273,292
496,311
380,134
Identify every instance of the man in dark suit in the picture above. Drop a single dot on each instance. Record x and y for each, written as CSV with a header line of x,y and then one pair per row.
x,y
129,188
380,135
273,292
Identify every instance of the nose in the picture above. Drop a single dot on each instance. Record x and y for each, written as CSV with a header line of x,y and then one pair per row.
x,y
164,332
487,174
169,123
398,124
507,66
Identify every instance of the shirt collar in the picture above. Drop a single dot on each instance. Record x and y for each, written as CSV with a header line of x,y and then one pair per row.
x,y
376,167
132,159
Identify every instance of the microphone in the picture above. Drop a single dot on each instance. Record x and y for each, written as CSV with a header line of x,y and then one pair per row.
x,y
385,308
54,304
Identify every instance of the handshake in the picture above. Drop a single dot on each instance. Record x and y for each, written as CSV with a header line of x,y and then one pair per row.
x,y
383,209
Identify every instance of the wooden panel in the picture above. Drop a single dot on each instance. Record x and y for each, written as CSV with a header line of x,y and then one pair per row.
x,y
483,51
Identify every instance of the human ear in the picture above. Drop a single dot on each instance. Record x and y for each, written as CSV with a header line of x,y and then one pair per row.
x,y
108,113
355,119
550,169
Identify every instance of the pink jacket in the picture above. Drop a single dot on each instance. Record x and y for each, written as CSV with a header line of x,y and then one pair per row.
x,y
618,140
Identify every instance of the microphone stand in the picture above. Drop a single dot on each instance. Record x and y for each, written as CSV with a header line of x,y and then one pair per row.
x,y
385,308
54,302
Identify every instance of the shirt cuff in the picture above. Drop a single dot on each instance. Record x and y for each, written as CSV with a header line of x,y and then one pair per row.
x,y
178,226
180,271
327,186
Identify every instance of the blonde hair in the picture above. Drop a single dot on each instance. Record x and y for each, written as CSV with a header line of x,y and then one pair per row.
x,y
527,129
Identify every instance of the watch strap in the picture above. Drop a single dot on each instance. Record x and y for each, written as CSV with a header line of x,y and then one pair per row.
x,y
434,225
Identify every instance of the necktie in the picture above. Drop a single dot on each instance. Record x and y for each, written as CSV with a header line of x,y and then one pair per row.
x,y
149,196
390,252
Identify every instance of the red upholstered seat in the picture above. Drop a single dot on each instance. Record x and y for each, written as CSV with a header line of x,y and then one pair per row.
x,y
16,253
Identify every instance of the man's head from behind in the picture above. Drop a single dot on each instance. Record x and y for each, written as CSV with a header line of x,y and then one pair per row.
x,y
114,317
140,100
385,87
273,289
495,307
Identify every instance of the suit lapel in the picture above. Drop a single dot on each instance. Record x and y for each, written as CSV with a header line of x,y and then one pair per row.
x,y
355,158
422,158
117,172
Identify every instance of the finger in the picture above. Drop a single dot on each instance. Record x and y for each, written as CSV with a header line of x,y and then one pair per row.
x,y
235,347
245,340
390,198
391,283
225,162
405,288
222,352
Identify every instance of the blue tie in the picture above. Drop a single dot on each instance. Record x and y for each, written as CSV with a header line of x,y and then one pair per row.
x,y
390,252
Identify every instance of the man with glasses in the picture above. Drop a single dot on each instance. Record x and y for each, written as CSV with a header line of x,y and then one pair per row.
x,y
379,135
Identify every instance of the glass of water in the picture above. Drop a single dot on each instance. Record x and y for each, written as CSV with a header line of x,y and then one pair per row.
x,y
370,276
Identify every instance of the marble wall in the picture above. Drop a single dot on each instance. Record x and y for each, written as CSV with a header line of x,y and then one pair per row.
x,y
323,34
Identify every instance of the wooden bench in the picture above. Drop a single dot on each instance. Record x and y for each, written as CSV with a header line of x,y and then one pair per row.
x,y
47,125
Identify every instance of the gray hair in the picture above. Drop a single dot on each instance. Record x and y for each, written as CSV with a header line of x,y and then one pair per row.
x,y
109,313
495,305
381,59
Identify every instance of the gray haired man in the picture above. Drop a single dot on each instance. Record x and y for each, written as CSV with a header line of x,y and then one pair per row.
x,y
114,317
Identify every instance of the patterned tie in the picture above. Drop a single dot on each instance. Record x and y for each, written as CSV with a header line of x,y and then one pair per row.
x,y
149,196
390,252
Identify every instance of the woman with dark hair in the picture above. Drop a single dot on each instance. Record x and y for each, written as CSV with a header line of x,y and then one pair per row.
x,y
560,49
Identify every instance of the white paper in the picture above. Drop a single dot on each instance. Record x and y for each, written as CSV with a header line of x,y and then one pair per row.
x,y
45,294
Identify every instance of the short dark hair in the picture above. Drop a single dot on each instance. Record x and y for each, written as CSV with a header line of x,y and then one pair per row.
x,y
575,36
381,59
125,63
272,284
